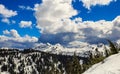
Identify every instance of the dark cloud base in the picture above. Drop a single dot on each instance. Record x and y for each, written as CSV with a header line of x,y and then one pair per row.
x,y
57,38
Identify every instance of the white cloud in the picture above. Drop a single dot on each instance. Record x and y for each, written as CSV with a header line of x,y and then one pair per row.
x,y
85,31
13,40
12,33
25,7
24,24
53,17
88,3
6,32
5,20
8,21
53,12
36,7
6,12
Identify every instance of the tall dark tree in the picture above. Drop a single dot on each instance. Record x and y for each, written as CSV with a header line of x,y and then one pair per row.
x,y
113,49
74,66
106,52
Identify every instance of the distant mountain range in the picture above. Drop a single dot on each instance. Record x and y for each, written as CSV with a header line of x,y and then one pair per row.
x,y
56,59
80,49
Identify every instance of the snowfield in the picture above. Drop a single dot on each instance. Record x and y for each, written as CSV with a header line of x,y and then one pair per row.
x,y
110,65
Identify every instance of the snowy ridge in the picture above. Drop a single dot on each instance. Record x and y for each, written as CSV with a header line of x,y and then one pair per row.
x,y
46,57
80,49
29,61
110,65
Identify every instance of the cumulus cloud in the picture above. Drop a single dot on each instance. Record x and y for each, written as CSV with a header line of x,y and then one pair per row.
x,y
36,7
53,17
86,31
12,33
88,3
53,12
8,21
6,12
115,29
5,20
12,39
24,24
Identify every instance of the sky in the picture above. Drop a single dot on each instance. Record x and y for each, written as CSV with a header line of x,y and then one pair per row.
x,y
27,22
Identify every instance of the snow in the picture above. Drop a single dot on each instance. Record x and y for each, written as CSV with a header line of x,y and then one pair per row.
x,y
79,48
111,65
4,73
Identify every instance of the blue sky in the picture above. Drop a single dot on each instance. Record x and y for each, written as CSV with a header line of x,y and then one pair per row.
x,y
107,12
26,20
96,13
26,15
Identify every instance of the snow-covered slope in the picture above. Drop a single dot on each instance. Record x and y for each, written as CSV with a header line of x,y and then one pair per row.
x,y
111,65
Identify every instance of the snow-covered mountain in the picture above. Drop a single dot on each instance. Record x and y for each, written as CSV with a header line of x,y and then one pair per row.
x,y
70,49
57,59
110,65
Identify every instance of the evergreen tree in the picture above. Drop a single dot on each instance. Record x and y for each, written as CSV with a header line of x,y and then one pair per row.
x,y
54,67
113,49
74,66
106,52
68,66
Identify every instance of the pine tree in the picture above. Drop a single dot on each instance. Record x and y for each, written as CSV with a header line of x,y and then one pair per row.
x,y
74,66
106,52
54,67
113,49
